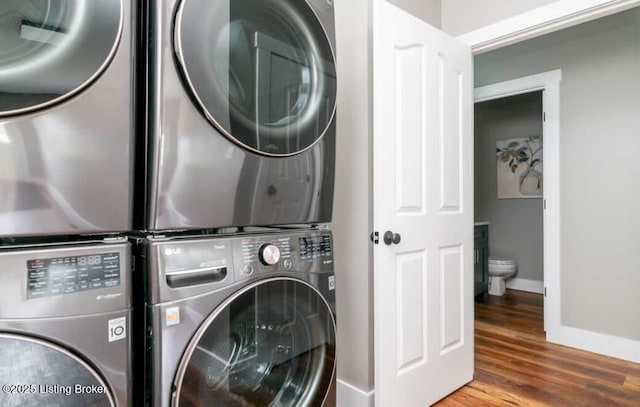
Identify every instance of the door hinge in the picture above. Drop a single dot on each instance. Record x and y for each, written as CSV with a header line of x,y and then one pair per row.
x,y
544,204
545,292
375,238
544,116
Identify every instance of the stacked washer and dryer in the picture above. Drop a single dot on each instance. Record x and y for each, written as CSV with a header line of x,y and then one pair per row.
x,y
234,172
66,169
238,186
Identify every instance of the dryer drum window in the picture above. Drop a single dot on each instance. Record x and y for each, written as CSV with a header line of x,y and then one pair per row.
x,y
36,373
272,344
52,49
261,71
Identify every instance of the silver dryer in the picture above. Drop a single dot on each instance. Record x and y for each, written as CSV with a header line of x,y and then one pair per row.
x,y
66,113
241,113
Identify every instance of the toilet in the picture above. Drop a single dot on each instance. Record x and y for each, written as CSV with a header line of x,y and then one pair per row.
x,y
499,271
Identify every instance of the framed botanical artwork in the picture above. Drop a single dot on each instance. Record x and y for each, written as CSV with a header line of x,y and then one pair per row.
x,y
519,163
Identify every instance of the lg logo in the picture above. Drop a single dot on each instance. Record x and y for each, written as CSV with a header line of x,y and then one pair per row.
x,y
170,251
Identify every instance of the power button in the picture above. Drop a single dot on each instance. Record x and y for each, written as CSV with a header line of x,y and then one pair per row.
x,y
247,270
287,264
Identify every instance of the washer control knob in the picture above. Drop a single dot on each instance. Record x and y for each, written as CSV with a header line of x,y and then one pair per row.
x,y
269,254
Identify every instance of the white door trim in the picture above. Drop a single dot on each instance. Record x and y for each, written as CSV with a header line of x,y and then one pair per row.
x,y
543,20
549,83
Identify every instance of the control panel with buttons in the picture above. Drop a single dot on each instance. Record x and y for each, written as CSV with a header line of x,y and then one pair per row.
x,y
297,251
199,265
221,261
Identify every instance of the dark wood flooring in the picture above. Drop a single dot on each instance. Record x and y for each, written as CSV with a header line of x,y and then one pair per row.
x,y
515,366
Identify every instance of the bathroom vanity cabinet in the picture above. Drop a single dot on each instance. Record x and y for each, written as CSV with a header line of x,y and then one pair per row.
x,y
481,259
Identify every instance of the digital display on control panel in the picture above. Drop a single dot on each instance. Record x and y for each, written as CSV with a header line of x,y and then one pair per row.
x,y
64,275
192,257
312,247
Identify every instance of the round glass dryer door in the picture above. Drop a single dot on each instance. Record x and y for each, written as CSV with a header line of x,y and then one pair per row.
x,y
35,373
52,49
261,71
272,344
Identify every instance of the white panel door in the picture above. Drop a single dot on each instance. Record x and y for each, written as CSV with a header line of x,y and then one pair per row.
x,y
423,196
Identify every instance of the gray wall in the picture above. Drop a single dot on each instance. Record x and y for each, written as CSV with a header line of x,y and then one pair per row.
x,y
462,16
515,225
352,216
599,171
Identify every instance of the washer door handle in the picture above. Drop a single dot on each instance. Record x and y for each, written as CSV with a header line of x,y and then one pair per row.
x,y
390,237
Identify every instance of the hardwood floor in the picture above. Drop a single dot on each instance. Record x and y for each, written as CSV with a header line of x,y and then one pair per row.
x,y
515,366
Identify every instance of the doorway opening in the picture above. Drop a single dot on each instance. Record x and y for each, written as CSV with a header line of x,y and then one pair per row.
x,y
509,184
516,193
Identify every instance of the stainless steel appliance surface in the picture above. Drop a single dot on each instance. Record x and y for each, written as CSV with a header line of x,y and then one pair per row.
x,y
242,320
241,113
65,117
64,326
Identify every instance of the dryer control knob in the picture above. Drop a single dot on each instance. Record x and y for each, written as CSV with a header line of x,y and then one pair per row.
x,y
269,254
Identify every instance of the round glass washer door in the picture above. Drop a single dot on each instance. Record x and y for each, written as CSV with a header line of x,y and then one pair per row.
x,y
35,373
271,344
52,49
261,71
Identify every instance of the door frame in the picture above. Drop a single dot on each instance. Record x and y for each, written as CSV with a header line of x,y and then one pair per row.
x,y
542,20
549,84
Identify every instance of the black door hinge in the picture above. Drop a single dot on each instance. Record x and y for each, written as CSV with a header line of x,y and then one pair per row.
x,y
375,238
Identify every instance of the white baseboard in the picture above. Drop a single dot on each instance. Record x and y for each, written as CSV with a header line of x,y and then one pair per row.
x,y
350,396
595,342
522,284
